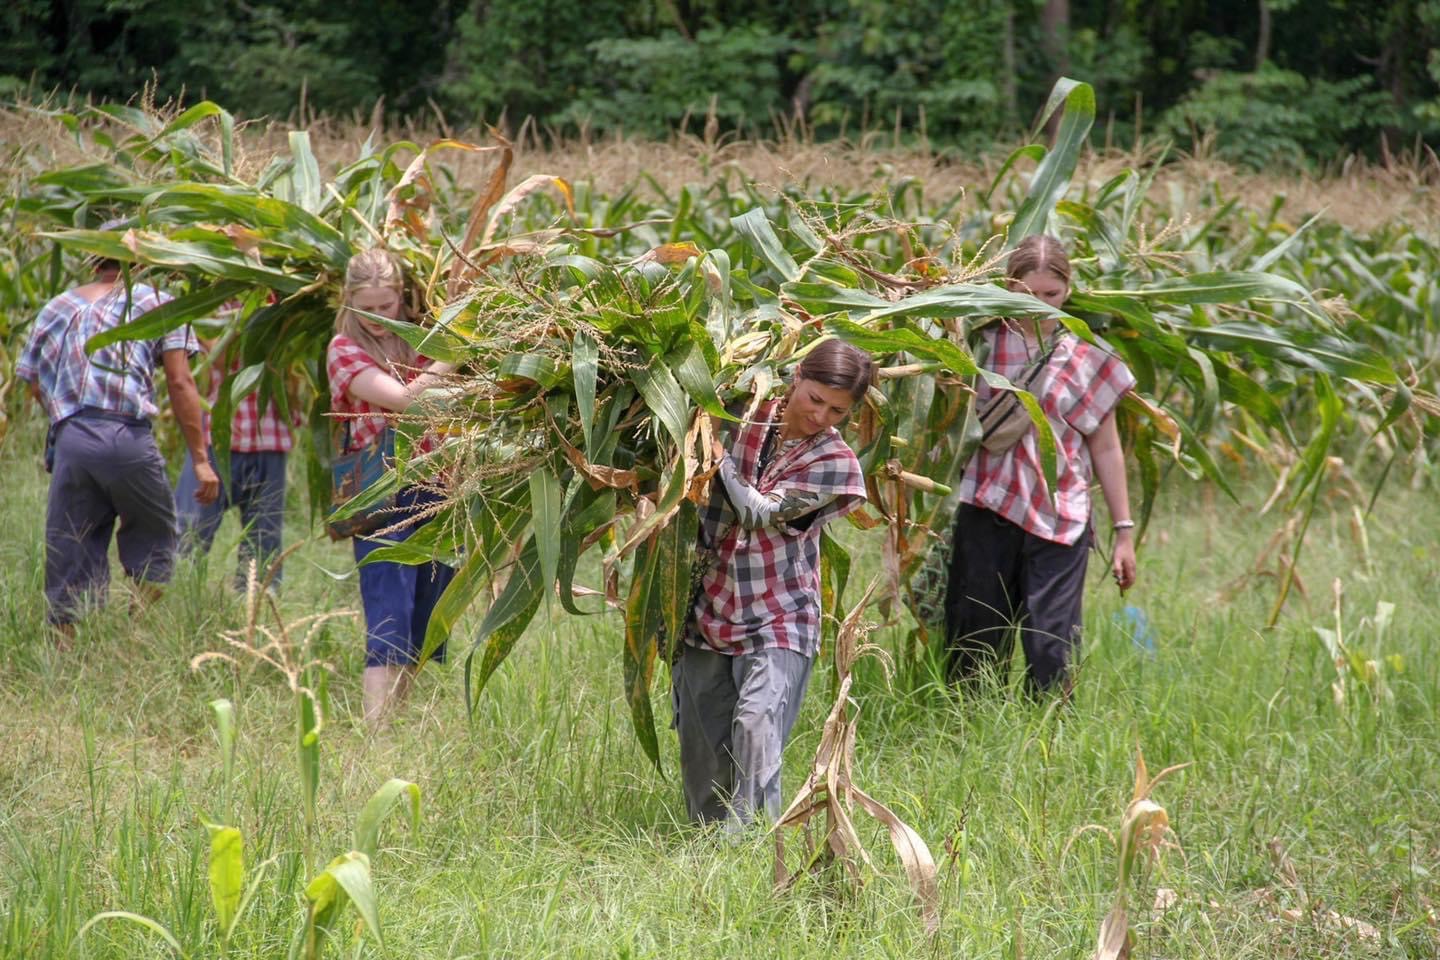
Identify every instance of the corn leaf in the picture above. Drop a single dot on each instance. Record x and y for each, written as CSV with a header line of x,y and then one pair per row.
x,y
1052,177
227,874
378,807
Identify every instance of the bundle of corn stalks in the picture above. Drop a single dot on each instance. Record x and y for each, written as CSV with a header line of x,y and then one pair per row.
x,y
830,793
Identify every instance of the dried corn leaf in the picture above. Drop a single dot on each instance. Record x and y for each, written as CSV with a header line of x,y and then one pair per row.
x,y
830,790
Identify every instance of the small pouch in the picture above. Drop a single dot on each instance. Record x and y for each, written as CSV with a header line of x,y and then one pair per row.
x,y
1003,418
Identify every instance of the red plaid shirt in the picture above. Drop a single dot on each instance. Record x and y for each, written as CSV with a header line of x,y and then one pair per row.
x,y
250,431
1083,384
344,361
763,590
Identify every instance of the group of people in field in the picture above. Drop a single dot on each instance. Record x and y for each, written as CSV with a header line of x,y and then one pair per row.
x,y
1019,551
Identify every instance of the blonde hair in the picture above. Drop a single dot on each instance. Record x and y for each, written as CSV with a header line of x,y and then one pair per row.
x,y
376,267
1039,252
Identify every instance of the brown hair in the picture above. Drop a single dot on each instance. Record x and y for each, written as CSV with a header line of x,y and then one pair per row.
x,y
837,364
376,267
1039,252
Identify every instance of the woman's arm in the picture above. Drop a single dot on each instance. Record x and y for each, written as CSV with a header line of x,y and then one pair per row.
x,y
755,510
380,389
1109,462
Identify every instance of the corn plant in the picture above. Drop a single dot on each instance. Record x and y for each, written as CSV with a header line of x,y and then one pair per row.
x,y
1358,670
1144,832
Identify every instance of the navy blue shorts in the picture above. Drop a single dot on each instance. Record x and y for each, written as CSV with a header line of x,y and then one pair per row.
x,y
399,597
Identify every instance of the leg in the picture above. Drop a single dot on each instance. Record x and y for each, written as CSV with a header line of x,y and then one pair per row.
x,y
198,522
1054,588
258,480
387,592
79,519
771,685
982,601
141,493
704,695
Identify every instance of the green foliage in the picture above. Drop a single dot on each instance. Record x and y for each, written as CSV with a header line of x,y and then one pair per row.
x,y
1274,116
648,85
1320,78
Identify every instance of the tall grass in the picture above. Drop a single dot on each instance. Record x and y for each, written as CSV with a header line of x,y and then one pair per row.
x,y
547,834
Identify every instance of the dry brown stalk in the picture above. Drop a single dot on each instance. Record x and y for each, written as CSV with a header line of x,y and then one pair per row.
x,y
830,790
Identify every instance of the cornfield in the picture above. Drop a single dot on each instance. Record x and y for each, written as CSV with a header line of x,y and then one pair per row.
x,y
603,334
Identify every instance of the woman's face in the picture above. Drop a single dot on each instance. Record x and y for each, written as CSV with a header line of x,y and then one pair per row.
x,y
1043,286
813,406
384,301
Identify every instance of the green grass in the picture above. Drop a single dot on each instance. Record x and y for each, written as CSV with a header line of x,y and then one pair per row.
x,y
546,834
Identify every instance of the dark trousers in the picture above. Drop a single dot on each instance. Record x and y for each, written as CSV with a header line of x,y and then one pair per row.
x,y
257,487
106,470
1003,578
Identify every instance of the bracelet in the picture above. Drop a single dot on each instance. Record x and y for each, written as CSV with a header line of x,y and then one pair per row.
x,y
1122,525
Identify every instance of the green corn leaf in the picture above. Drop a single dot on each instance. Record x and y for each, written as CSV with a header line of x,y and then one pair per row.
x,y
1234,286
906,341
531,366
1052,176
505,621
1319,352
346,879
664,397
585,361
305,175
639,654
756,227
224,712
378,807
545,506
473,574
227,875
135,918
1034,152
694,375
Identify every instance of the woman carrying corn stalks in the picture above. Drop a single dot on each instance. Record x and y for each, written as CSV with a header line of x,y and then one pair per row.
x,y
754,627
373,372
1019,555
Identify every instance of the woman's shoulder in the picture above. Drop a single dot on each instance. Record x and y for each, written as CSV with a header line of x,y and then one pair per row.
x,y
345,358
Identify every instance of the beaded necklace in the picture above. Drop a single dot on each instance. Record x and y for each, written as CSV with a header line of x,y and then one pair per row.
x,y
772,436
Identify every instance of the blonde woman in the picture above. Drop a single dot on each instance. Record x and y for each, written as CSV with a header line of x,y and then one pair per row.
x,y
374,372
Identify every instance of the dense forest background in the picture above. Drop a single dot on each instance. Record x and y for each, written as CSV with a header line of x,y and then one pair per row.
x,y
1258,82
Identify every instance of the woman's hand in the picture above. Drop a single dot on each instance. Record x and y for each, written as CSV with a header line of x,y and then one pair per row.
x,y
1122,564
717,449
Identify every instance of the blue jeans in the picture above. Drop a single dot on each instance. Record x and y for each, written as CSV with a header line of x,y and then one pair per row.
x,y
257,487
399,597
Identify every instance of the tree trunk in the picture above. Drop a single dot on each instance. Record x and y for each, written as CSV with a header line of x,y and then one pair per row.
x,y
1055,34
1008,93
1055,40
1262,43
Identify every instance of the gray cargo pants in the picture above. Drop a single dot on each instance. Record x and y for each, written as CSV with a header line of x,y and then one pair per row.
x,y
734,715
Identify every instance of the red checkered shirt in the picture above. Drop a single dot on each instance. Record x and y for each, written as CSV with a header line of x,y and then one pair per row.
x,y
1083,385
250,431
763,590
344,361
